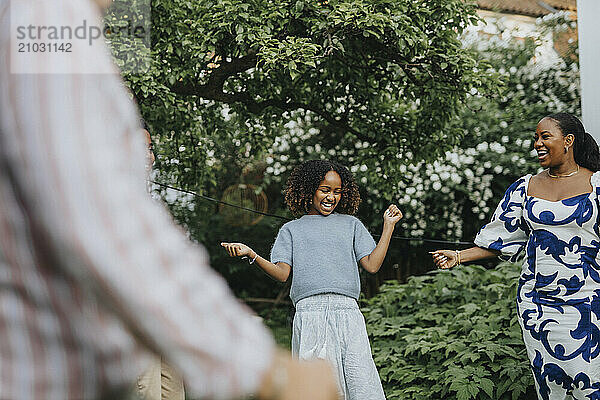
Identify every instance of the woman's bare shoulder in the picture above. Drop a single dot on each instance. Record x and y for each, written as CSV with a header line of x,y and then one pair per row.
x,y
539,178
538,183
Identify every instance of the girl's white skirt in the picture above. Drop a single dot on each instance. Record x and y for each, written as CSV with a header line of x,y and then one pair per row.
x,y
331,326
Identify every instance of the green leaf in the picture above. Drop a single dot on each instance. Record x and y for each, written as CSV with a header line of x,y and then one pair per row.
x,y
488,386
464,393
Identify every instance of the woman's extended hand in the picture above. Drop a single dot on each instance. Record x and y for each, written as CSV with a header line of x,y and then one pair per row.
x,y
392,215
444,259
238,250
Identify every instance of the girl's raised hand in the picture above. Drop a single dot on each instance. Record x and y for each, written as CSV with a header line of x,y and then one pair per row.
x,y
237,249
444,259
392,215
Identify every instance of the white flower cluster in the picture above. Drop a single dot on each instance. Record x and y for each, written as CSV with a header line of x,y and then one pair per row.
x,y
453,195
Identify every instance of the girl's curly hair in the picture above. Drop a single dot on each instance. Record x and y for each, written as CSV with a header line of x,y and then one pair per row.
x,y
305,179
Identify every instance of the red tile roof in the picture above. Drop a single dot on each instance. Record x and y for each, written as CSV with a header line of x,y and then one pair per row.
x,y
533,8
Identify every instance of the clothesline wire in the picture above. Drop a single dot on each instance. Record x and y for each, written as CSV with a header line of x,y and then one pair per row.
x,y
219,201
208,198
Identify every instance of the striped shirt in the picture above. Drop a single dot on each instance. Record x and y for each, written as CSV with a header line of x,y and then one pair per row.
x,y
92,270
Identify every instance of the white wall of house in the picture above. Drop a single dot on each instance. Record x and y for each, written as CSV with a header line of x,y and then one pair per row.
x,y
521,25
588,15
513,26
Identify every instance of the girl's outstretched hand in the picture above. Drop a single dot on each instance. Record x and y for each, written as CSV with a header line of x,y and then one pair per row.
x,y
237,249
392,215
444,259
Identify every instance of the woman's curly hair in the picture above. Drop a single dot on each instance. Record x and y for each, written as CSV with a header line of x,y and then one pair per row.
x,y
305,179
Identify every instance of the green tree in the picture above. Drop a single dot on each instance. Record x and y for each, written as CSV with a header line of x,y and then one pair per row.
x,y
390,74
229,80
452,196
377,85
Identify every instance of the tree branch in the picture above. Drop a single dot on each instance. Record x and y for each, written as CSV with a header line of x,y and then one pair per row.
x,y
218,76
213,90
288,105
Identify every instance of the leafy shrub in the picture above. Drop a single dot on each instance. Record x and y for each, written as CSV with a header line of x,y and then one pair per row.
x,y
451,335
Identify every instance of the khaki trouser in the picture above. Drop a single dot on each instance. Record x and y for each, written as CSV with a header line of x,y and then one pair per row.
x,y
160,382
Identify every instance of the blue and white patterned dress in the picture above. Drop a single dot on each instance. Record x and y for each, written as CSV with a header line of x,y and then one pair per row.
x,y
558,299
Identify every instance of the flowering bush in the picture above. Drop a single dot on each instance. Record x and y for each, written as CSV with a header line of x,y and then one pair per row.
x,y
450,198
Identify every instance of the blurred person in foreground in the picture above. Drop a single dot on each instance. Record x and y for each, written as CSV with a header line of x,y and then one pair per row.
x,y
93,273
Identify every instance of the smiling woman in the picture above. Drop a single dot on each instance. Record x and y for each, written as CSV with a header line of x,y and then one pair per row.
x,y
569,154
554,216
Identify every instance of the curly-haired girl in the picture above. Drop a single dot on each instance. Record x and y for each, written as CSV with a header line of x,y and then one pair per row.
x,y
323,248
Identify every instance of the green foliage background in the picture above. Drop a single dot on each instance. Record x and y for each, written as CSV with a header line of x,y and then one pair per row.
x,y
206,146
238,85
451,335
229,77
244,90
450,197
